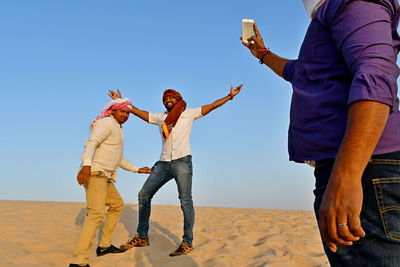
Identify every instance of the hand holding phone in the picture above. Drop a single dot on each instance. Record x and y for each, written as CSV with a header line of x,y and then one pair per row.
x,y
256,44
247,30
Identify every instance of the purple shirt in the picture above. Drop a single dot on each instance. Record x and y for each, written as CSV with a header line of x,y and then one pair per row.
x,y
348,54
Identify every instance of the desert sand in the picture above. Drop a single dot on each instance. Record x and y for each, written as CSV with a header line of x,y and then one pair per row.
x,y
36,233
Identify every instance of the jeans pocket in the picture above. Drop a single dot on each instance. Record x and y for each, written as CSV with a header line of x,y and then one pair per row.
x,y
154,166
387,193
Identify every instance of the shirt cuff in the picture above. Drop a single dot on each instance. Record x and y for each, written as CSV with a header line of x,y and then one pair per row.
x,y
86,162
288,70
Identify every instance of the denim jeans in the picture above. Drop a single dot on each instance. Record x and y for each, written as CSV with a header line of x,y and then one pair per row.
x,y
380,215
163,171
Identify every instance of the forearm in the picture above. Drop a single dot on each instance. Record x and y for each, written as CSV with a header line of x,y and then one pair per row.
x,y
144,115
259,50
275,63
126,165
343,198
208,108
365,124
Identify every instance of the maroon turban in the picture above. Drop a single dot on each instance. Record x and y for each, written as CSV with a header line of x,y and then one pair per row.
x,y
173,93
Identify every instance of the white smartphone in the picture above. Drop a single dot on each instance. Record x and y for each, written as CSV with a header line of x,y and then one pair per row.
x,y
247,29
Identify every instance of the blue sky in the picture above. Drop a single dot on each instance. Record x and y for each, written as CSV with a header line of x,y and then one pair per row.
x,y
59,58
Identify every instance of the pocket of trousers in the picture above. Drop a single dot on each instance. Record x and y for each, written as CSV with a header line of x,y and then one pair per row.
x,y
387,193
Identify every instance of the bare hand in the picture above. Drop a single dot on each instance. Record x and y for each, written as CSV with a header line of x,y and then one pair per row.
x,y
257,48
144,170
340,213
114,95
84,175
236,90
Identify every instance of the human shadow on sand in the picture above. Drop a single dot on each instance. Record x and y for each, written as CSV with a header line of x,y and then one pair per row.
x,y
162,241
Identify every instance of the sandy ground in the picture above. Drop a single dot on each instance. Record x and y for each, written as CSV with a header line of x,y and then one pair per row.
x,y
45,233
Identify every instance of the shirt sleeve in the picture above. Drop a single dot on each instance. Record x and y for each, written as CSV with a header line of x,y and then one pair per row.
x,y
195,113
154,118
288,70
362,32
126,165
101,130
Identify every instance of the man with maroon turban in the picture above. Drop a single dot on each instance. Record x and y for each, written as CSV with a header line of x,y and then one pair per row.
x,y
102,156
175,162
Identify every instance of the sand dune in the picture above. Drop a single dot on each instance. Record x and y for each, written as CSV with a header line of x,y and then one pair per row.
x,y
45,234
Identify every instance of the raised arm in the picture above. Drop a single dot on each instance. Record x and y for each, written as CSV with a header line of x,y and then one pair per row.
x,y
265,56
208,108
144,115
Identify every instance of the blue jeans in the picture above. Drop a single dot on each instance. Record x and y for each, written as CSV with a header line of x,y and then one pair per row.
x,y
380,215
163,171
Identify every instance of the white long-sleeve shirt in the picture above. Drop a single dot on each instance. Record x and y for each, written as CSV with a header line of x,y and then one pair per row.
x,y
104,149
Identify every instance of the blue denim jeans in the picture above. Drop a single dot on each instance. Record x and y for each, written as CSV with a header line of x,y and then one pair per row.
x,y
380,215
163,171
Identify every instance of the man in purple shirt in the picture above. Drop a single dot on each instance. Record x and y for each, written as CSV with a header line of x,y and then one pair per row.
x,y
345,120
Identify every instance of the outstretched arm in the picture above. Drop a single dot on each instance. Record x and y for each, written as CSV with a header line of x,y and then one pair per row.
x,y
144,115
258,49
208,108
126,165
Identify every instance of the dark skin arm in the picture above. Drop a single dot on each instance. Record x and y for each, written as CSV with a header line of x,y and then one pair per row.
x,y
208,108
343,198
144,115
257,49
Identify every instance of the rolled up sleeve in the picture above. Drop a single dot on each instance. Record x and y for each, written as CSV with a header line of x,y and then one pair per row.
x,y
362,32
288,70
155,118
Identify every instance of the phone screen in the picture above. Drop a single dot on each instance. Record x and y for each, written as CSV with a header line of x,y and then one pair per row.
x,y
247,29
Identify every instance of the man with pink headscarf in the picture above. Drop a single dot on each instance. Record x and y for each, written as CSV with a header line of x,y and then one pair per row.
x,y
103,154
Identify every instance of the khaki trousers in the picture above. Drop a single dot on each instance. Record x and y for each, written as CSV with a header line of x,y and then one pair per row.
x,y
100,192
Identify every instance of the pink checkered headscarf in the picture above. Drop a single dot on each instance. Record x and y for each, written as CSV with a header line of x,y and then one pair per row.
x,y
123,104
